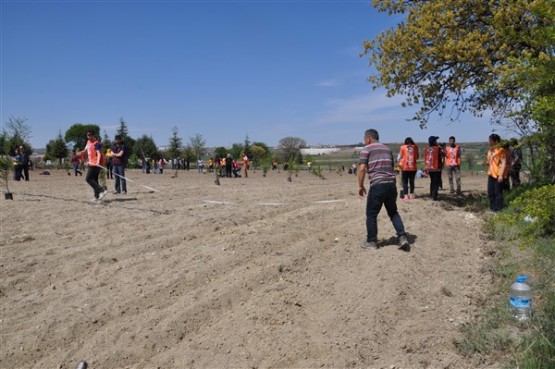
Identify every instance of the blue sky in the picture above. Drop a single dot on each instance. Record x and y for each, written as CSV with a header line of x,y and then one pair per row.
x,y
222,69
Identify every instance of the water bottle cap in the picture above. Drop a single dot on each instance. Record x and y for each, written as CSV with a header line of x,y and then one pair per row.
x,y
522,278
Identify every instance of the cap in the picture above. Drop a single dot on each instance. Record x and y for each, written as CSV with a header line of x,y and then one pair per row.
x,y
432,139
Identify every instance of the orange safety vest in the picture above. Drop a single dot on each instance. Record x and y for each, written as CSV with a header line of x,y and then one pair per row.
x,y
94,160
495,156
432,158
409,156
453,156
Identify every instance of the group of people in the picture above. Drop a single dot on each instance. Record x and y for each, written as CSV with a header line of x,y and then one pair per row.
x,y
21,164
227,166
436,158
504,161
149,165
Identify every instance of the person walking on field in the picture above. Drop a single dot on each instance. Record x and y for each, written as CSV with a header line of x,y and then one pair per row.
x,y
75,161
453,163
408,156
109,165
246,165
376,161
433,160
119,152
93,151
498,170
25,162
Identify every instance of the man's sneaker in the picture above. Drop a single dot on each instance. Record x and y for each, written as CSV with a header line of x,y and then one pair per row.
x,y
404,243
116,193
94,200
102,194
369,245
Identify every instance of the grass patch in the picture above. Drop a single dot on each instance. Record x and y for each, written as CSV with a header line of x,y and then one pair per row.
x,y
497,337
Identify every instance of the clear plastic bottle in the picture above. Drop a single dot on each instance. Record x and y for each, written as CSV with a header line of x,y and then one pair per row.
x,y
520,299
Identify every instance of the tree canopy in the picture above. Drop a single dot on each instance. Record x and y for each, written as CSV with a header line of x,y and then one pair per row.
x,y
290,147
450,56
56,149
77,134
16,133
453,53
175,144
197,145
145,147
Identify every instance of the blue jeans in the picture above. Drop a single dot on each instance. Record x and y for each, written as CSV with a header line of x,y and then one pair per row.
x,y
495,194
378,195
121,183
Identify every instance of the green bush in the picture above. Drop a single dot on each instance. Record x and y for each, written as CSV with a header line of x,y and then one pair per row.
x,y
535,211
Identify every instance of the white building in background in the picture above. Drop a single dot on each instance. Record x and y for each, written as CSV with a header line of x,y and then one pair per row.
x,y
319,150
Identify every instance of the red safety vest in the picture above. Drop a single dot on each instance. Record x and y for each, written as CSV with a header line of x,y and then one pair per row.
x,y
453,156
409,156
432,158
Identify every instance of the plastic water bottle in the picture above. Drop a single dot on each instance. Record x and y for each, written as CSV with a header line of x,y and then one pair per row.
x,y
520,299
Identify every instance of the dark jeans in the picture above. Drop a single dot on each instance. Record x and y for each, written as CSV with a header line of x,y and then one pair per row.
x,y
25,170
76,169
17,172
92,180
435,181
378,195
408,181
515,177
495,194
121,183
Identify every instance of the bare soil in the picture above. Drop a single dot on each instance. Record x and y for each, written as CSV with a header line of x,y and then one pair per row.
x,y
257,272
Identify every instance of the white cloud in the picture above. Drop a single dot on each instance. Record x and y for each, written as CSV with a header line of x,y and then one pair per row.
x,y
362,109
327,83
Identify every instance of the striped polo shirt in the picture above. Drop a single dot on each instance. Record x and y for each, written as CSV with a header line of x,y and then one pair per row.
x,y
379,160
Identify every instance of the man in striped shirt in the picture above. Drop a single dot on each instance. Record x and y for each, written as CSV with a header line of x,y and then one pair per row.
x,y
376,160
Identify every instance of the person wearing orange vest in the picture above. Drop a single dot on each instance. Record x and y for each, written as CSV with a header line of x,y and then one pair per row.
x,y
408,156
433,160
93,151
246,165
498,170
453,163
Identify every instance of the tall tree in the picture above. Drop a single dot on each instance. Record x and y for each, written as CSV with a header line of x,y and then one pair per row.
x,y
16,133
175,144
106,141
259,153
236,150
18,126
247,146
290,147
449,55
145,146
3,143
77,134
57,149
123,131
221,152
535,115
197,144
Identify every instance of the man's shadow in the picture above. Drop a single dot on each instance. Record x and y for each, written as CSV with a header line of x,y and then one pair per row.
x,y
394,240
